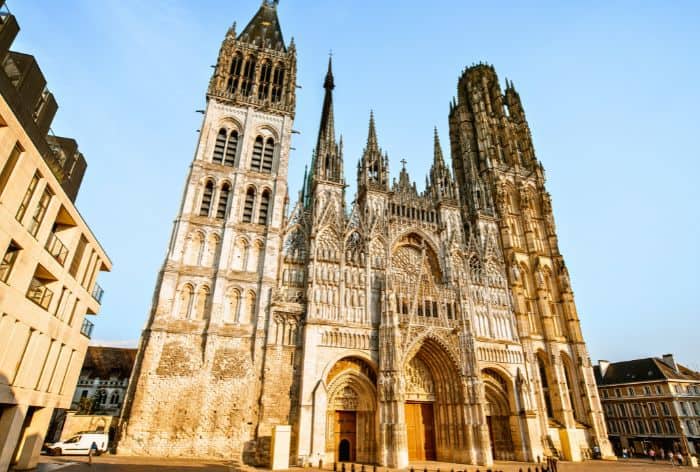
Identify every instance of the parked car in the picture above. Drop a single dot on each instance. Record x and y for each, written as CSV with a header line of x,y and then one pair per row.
x,y
79,444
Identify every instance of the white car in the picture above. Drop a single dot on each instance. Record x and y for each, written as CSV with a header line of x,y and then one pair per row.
x,y
80,444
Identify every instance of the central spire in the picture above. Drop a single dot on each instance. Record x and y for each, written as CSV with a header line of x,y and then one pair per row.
x,y
328,157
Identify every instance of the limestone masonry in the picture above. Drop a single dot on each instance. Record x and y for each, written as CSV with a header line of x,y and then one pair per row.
x,y
408,326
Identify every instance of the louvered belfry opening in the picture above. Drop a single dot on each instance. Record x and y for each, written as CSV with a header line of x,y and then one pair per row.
x,y
223,201
268,156
264,206
249,204
219,146
231,148
278,83
264,84
257,154
206,198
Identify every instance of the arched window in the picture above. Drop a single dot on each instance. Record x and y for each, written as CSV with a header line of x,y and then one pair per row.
x,y
223,201
231,149
264,83
264,206
193,248
218,156
184,302
233,304
202,301
114,399
206,199
248,205
248,77
545,387
240,256
257,154
235,72
268,155
249,313
278,83
212,247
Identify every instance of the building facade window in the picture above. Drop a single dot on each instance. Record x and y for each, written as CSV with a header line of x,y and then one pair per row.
x,y
248,205
22,210
222,207
219,146
40,211
8,261
9,167
264,206
665,409
231,149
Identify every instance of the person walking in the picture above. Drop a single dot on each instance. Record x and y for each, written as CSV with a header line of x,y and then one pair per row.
x,y
679,458
652,454
92,451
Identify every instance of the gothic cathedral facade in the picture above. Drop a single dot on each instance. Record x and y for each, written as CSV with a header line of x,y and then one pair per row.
x,y
434,325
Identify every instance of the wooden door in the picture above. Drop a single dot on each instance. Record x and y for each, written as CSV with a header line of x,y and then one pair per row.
x,y
345,439
420,429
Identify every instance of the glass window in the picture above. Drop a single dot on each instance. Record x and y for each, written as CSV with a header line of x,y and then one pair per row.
x,y
40,211
8,260
22,210
665,409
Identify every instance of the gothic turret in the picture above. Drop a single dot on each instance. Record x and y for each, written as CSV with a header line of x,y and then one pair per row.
x,y
373,168
328,156
256,67
441,186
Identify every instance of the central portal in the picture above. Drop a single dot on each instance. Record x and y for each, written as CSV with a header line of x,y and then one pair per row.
x,y
345,435
420,429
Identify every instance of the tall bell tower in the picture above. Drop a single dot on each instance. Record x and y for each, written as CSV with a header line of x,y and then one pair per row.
x,y
196,387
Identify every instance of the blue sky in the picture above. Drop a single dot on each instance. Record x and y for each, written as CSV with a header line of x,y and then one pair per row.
x,y
609,89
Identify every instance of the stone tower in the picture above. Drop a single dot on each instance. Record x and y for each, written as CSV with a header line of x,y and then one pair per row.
x,y
502,182
198,379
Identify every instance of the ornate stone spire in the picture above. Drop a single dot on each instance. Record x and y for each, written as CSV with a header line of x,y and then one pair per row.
x,y
328,157
373,168
442,186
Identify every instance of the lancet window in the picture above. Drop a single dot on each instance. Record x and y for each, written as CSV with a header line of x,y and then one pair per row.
x,y
278,83
206,198
264,82
264,207
235,72
224,195
248,205
248,77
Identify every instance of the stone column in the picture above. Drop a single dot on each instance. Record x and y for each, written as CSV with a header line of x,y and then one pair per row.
x,y
10,429
33,439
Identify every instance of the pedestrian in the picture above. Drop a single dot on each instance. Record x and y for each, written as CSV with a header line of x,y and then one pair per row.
x,y
92,451
652,454
625,454
679,458
662,453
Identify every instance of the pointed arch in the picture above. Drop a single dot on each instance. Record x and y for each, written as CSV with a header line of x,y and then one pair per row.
x,y
202,303
233,305
545,381
235,72
248,78
278,83
264,207
231,149
184,301
219,145
265,78
268,156
207,196
224,196
249,205
573,388
240,255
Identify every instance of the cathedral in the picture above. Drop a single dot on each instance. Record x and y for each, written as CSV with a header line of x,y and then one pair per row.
x,y
406,326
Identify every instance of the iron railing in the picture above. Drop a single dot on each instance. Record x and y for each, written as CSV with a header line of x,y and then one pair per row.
x,y
86,328
97,293
39,293
57,249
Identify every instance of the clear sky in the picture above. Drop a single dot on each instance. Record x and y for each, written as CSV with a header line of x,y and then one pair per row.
x,y
609,88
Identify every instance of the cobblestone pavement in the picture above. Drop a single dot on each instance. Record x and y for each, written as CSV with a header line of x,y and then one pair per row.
x,y
146,464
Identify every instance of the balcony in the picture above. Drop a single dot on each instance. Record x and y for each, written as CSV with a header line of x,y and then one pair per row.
x,y
39,293
86,328
57,249
97,293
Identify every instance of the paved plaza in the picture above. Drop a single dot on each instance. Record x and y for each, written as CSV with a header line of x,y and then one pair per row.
x,y
145,464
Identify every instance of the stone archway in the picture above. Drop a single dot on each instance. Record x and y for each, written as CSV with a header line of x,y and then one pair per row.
x,y
498,415
351,412
435,423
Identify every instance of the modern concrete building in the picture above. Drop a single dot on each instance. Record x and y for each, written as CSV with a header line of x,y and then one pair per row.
x,y
405,326
651,403
49,258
